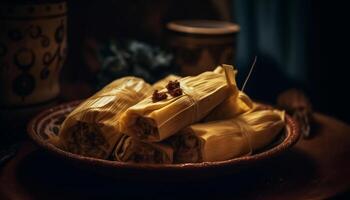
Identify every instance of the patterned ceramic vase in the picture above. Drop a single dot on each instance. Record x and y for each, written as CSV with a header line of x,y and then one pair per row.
x,y
201,45
32,51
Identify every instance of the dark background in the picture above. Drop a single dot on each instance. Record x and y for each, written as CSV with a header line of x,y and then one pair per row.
x,y
320,69
323,72
325,76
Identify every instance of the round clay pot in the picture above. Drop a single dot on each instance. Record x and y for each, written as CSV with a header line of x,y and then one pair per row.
x,y
32,51
201,45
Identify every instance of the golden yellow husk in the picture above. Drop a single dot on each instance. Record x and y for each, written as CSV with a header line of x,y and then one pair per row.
x,y
155,121
92,129
226,139
237,103
132,150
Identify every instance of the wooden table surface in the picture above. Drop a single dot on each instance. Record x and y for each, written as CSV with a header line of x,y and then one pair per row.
x,y
316,168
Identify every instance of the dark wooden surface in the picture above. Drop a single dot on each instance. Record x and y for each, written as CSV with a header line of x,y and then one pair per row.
x,y
316,168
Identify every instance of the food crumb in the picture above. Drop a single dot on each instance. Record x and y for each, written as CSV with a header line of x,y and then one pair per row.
x,y
158,96
176,92
172,85
174,88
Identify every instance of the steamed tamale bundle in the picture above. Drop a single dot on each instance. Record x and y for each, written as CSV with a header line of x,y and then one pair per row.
x,y
129,149
264,126
92,129
234,105
237,103
210,141
226,139
155,119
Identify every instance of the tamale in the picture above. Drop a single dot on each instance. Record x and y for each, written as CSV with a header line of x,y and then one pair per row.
x,y
265,126
159,85
129,149
92,129
226,139
237,103
154,121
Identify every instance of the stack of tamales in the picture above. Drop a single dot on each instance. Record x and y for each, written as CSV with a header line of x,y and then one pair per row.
x,y
208,141
210,120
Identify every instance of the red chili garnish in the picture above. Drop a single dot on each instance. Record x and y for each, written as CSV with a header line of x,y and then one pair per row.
x,y
172,85
176,92
158,96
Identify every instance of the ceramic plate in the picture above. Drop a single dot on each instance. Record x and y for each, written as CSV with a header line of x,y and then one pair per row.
x,y
48,122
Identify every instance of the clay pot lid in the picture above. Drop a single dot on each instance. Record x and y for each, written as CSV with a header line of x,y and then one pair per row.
x,y
207,27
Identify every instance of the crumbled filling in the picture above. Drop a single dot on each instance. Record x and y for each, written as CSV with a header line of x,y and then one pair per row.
x,y
172,85
176,92
187,149
143,153
158,96
145,127
87,140
173,88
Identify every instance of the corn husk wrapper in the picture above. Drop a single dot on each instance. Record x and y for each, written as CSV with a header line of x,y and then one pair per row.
x,y
132,150
226,139
237,103
155,121
92,129
265,126
160,85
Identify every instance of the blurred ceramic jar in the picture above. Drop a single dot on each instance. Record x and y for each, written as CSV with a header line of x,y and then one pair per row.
x,y
201,45
32,51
